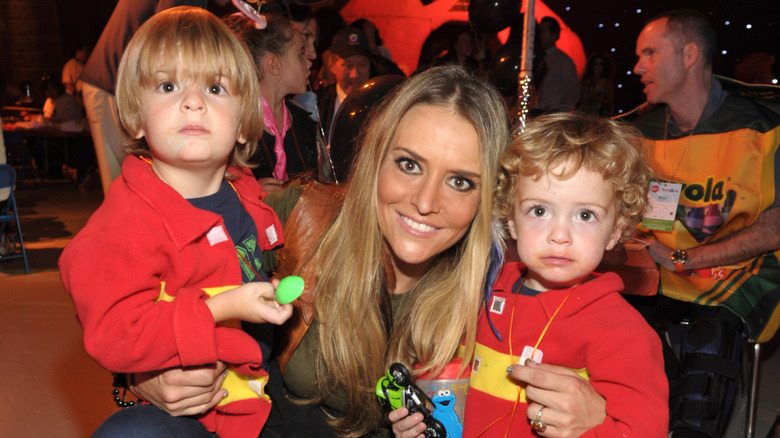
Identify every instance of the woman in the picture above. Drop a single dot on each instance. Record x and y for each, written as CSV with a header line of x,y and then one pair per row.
x,y
463,51
598,89
401,272
419,241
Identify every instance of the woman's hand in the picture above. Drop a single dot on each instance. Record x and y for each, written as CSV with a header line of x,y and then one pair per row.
x,y
183,391
404,426
569,404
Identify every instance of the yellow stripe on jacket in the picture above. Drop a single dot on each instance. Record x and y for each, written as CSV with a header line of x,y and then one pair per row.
x,y
239,386
488,374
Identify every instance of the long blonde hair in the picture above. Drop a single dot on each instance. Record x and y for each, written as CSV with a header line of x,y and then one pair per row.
x,y
359,336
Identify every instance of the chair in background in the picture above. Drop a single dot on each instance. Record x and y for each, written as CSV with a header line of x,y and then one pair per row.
x,y
9,213
18,155
750,378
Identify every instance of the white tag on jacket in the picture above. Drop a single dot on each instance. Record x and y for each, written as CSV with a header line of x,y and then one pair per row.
x,y
497,306
270,232
527,352
217,235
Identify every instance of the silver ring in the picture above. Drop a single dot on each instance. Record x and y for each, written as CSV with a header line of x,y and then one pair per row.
x,y
537,423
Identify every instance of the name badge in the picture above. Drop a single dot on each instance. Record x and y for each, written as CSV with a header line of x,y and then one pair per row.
x,y
662,200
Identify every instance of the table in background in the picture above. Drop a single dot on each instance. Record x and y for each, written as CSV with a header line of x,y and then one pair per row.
x,y
50,135
20,109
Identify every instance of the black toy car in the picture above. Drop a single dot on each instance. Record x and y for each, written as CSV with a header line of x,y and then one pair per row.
x,y
396,390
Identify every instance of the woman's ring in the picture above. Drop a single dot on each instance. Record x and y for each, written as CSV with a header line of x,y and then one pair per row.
x,y
537,423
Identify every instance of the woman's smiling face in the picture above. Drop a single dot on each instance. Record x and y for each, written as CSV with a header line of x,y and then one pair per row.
x,y
429,186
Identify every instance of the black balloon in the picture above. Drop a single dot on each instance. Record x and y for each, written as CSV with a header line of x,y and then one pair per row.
x,y
505,67
491,16
351,117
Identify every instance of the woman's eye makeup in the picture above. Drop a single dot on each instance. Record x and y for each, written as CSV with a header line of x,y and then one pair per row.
x,y
407,165
462,184
410,166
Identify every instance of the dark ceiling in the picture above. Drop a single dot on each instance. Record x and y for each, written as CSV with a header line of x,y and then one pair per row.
x,y
611,26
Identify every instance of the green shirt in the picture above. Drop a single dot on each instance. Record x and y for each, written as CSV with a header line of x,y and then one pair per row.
x,y
300,377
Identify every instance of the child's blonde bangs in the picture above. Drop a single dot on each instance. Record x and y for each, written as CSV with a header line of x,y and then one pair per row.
x,y
193,55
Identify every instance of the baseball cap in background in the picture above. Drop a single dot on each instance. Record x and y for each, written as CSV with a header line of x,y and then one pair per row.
x,y
349,41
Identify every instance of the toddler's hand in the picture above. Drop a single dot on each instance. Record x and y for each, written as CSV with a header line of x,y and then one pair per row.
x,y
251,302
260,305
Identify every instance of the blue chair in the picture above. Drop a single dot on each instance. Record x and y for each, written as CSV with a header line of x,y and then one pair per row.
x,y
9,212
18,155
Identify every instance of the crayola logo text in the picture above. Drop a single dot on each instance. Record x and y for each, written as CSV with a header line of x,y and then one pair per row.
x,y
711,192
